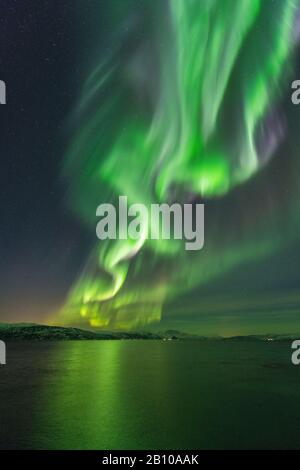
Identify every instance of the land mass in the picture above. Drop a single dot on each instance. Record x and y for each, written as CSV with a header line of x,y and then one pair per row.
x,y
36,332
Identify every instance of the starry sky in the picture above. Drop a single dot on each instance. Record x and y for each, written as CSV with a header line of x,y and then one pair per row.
x,y
41,246
90,111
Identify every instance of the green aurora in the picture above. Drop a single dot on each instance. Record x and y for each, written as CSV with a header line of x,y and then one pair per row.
x,y
186,106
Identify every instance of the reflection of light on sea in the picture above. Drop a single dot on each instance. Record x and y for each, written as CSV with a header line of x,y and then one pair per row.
x,y
83,398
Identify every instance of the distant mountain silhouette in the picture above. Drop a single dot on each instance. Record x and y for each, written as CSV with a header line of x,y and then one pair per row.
x,y
32,331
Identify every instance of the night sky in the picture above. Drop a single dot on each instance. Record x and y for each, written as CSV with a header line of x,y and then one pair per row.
x,y
42,246
62,134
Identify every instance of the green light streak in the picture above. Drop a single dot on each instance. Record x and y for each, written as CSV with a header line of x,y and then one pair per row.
x,y
221,64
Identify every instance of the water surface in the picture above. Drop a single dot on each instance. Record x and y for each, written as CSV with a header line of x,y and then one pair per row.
x,y
149,395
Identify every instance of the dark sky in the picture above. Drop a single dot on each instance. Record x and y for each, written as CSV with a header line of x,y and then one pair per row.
x,y
41,246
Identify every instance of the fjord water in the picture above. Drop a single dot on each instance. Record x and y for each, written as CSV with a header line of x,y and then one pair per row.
x,y
149,395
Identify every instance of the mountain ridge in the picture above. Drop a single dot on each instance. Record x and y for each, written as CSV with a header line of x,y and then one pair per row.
x,y
38,332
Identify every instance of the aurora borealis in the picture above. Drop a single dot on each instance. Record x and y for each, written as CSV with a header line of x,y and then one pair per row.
x,y
163,102
131,329
190,104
